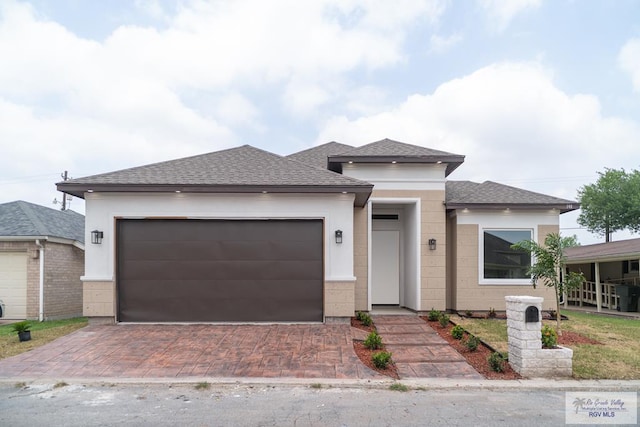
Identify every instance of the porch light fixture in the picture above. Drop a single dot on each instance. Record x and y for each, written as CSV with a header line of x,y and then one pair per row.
x,y
432,244
96,237
338,236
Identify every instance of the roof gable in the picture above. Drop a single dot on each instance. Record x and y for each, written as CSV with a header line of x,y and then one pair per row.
x,y
492,195
387,151
318,156
243,169
23,219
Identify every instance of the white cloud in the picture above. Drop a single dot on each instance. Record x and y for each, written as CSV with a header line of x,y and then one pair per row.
x,y
513,124
439,44
629,61
500,13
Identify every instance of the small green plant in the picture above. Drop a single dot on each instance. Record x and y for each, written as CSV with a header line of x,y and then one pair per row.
x,y
398,387
549,337
366,320
433,315
20,385
60,384
497,361
472,343
203,386
468,313
373,341
23,326
457,332
316,385
381,359
444,320
492,313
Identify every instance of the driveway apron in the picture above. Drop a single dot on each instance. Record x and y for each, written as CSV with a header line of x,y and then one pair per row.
x,y
182,351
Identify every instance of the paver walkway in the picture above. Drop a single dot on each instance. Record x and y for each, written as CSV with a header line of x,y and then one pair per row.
x,y
180,351
418,351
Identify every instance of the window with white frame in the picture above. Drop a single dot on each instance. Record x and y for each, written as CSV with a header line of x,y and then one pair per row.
x,y
500,260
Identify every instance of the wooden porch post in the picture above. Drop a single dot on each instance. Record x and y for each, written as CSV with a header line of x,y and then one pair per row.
x,y
598,288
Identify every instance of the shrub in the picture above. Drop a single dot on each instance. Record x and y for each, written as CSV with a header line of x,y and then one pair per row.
x,y
373,341
497,361
444,320
549,337
468,313
433,315
360,315
492,313
472,343
366,320
457,332
398,387
381,359
22,326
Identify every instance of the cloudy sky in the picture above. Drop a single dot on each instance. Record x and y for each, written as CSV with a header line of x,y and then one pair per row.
x,y
537,94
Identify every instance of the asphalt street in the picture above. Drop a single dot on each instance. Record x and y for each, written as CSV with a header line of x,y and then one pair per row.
x,y
280,405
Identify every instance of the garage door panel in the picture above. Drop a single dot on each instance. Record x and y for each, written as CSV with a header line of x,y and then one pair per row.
x,y
219,270
236,301
216,270
13,284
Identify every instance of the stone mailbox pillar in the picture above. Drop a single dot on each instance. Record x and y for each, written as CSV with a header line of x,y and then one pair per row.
x,y
526,355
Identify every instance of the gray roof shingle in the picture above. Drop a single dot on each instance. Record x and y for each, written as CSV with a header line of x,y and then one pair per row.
x,y
317,156
623,249
23,219
461,194
241,169
387,150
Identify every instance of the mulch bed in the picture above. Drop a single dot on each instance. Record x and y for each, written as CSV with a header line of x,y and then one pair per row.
x,y
365,354
571,338
478,358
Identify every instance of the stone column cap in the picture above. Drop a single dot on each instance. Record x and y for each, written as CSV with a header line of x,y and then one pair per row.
x,y
524,299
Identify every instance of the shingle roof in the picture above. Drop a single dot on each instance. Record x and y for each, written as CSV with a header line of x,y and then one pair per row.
x,y
623,249
387,150
317,156
241,169
23,219
489,194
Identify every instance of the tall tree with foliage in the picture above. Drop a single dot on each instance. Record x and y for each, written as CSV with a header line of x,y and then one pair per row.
x,y
549,262
612,203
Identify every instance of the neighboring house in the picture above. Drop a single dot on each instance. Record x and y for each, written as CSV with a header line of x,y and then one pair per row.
x,y
245,235
41,261
605,266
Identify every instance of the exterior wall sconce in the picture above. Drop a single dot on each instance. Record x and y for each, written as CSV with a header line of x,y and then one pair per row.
x,y
432,244
96,237
338,236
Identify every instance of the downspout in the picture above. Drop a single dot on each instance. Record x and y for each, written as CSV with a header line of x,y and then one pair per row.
x,y
41,293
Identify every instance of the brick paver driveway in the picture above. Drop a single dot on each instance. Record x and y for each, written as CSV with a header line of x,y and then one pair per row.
x,y
180,351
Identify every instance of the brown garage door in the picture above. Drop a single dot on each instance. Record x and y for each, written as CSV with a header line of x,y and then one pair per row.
x,y
219,270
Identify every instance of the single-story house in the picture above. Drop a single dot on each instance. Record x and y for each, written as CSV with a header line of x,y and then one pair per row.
x,y
41,261
609,269
244,235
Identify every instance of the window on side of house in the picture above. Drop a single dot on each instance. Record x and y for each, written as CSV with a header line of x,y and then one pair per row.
x,y
502,262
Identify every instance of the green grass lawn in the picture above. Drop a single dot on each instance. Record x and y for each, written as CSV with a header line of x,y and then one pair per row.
x,y
41,333
618,357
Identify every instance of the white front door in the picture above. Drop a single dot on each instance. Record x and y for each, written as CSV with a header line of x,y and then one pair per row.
x,y
385,267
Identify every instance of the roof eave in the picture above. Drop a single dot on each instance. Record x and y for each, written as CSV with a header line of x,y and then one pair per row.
x,y
362,192
562,207
334,163
606,258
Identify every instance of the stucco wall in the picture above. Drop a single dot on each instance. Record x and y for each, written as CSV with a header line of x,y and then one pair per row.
x,y
471,293
361,258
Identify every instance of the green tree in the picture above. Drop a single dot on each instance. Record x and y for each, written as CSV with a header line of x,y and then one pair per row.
x,y
612,203
548,261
